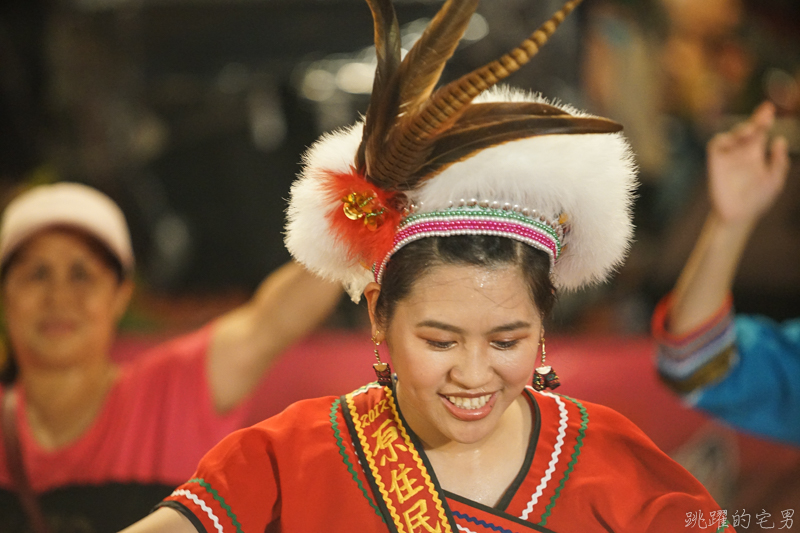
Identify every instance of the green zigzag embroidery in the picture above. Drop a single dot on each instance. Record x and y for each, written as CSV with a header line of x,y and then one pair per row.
x,y
221,501
573,460
343,453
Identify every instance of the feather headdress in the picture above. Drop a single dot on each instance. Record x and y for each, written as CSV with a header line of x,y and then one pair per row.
x,y
461,159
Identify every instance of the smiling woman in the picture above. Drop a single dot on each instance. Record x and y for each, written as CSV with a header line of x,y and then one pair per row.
x,y
457,218
462,318
64,294
465,342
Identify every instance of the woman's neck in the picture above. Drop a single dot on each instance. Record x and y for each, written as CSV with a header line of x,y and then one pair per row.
x,y
61,404
482,471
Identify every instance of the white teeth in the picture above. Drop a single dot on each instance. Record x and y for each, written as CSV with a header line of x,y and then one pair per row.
x,y
469,403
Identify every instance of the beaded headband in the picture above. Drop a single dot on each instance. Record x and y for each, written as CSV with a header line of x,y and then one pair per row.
x,y
471,217
463,159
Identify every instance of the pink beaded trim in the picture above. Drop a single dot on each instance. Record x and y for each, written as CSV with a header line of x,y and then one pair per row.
x,y
472,225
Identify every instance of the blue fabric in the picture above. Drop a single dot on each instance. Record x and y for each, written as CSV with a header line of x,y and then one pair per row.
x,y
761,394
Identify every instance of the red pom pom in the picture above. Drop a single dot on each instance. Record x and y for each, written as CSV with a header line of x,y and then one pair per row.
x,y
365,220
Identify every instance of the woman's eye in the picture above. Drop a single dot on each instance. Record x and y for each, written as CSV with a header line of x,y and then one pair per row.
x,y
440,345
38,274
504,345
80,273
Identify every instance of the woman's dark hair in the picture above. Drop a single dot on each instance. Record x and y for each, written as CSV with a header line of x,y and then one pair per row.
x,y
414,260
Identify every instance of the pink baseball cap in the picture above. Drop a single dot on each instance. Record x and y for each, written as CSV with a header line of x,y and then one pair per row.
x,y
66,204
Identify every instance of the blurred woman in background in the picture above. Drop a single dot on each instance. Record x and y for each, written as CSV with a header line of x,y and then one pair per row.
x,y
91,445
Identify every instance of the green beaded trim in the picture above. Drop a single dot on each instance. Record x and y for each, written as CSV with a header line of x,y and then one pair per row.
x,y
343,453
576,452
221,501
484,212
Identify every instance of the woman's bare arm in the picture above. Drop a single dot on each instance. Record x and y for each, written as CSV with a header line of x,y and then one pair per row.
x,y
744,180
289,304
163,520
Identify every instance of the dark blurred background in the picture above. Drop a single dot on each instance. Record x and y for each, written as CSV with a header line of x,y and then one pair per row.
x,y
193,114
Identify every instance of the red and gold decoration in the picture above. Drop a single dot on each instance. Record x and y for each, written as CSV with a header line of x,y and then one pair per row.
x,y
367,220
396,467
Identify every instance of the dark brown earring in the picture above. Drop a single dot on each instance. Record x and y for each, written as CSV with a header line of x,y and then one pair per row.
x,y
544,377
382,369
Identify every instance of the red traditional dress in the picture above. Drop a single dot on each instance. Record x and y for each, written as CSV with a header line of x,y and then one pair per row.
x,y
351,464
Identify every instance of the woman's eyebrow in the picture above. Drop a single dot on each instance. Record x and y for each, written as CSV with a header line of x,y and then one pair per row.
x,y
519,324
439,325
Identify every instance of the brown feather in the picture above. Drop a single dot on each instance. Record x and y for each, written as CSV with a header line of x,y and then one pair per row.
x,y
422,67
459,143
382,110
411,140
420,70
478,113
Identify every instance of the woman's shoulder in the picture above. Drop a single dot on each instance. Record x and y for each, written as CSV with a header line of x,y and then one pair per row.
x,y
562,402
623,476
305,418
604,441
595,422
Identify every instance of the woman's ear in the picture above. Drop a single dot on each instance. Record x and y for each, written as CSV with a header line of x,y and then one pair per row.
x,y
122,298
371,293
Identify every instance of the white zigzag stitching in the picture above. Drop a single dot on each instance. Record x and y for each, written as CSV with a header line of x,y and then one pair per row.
x,y
365,388
203,506
462,528
562,430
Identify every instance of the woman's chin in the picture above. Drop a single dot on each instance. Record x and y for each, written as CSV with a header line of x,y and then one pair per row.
x,y
65,354
470,432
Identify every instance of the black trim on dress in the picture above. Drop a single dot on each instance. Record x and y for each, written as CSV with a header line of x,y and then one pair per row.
x,y
511,491
495,512
178,506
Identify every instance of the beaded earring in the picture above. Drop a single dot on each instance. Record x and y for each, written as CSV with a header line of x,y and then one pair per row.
x,y
382,369
544,377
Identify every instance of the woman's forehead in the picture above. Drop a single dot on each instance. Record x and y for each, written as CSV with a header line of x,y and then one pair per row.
x,y
60,242
500,287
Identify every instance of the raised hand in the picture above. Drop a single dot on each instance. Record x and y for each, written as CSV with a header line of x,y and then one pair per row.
x,y
744,177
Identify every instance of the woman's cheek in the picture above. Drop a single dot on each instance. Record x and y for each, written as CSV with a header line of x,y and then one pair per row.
x,y
517,367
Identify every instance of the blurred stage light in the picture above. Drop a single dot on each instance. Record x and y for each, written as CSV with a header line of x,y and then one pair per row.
x,y
782,88
477,29
356,77
318,85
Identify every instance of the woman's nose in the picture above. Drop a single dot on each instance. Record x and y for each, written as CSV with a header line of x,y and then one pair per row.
x,y
473,369
60,291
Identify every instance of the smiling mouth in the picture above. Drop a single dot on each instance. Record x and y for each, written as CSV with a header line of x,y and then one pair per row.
x,y
469,403
57,327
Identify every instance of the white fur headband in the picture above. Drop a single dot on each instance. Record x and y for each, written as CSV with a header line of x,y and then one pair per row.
x,y
590,178
460,160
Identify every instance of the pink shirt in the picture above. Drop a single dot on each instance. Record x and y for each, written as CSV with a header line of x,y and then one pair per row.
x,y
157,423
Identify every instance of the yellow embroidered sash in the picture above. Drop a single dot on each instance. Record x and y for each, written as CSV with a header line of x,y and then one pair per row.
x,y
398,475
